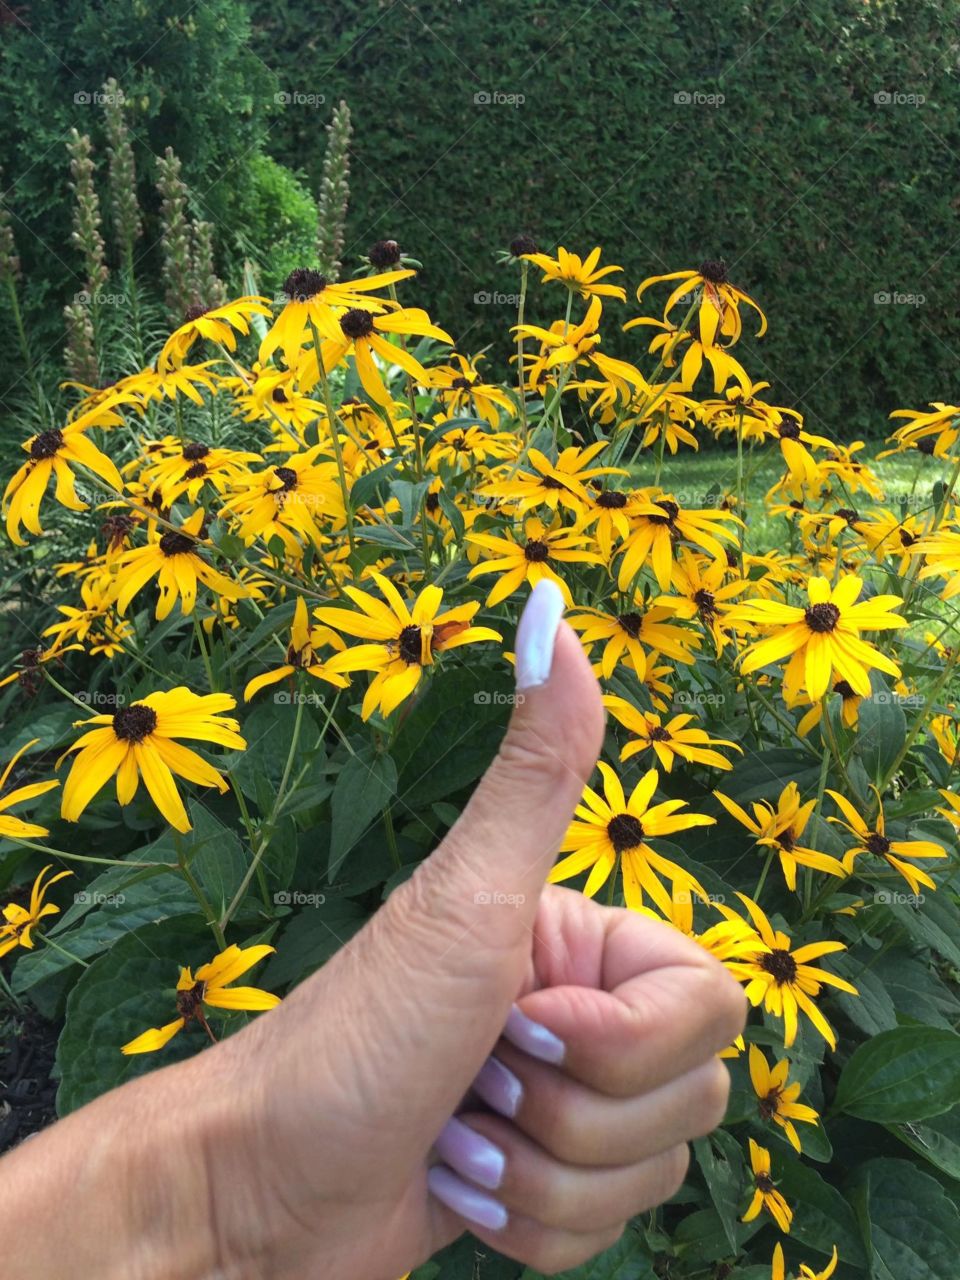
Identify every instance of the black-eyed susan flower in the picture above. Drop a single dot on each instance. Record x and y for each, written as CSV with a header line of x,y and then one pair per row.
x,y
702,588
140,740
667,741
177,468
302,654
728,939
314,302
849,707
551,484
173,557
19,922
779,1268
582,276
12,828
784,981
402,640
941,559
52,454
631,635
464,448
781,829
612,830
719,309
460,388
672,342
210,987
871,838
565,345
940,423
765,1194
776,1098
822,640
362,334
216,324
530,556
660,522
297,501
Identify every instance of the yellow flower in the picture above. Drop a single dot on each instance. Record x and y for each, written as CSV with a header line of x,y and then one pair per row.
x,y
777,1099
530,558
402,640
173,558
549,484
625,635
872,838
670,340
940,425
216,324
461,390
719,310
822,638
667,741
21,921
728,939
702,593
781,829
361,334
140,739
784,981
51,454
609,830
301,655
288,501
175,468
779,1271
660,521
12,828
210,987
765,1194
313,300
580,276
464,448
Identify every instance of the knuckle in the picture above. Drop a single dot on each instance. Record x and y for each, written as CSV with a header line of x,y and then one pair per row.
x,y
666,1176
715,1096
557,1251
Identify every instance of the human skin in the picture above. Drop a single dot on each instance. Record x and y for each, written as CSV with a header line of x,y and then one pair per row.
x,y
318,1142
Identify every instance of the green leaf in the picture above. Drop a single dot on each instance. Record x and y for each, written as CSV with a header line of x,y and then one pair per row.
x,y
881,733
628,1259
936,1140
903,1075
311,937
821,1215
934,921
721,1164
214,854
365,785
914,1226
130,988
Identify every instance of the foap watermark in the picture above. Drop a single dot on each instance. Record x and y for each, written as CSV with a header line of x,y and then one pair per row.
x,y
294,698
87,299
696,698
895,98
97,698
298,99
495,898
697,98
92,898
885,697
687,897
494,698
496,98
295,898
484,298
893,298
97,98
894,898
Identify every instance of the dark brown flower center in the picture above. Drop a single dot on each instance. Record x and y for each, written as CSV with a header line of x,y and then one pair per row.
x,y
287,477
612,499
536,551
770,1104
302,284
196,471
671,512
822,617
625,832
521,244
780,965
409,645
432,502
705,602
789,430
189,1001
176,544
385,253
279,396
764,1183
659,734
357,323
714,270
877,843
46,444
134,723
461,383
194,451
787,840
906,538
116,528
926,446
845,689
194,312
848,514
631,623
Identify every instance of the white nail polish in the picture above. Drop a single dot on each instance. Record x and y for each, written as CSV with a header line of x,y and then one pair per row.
x,y
537,633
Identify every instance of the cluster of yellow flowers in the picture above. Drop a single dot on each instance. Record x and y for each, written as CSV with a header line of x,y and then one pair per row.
x,y
376,480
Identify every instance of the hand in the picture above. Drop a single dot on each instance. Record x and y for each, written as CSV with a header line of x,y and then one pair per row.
x,y
318,1142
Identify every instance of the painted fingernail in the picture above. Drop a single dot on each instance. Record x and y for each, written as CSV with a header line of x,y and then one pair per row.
x,y
533,1038
473,1205
498,1087
471,1154
536,634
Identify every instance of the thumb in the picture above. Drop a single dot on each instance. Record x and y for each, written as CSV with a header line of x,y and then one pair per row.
x,y
449,951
